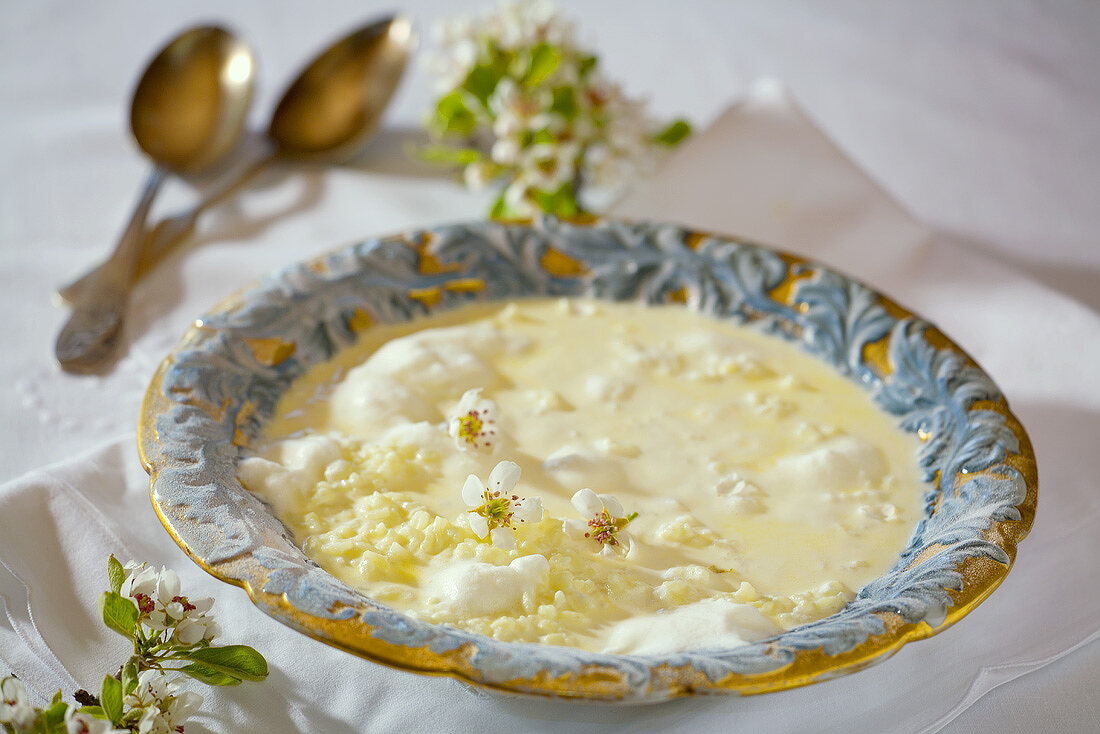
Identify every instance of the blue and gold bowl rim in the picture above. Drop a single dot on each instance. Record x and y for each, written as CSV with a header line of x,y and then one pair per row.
x,y
209,399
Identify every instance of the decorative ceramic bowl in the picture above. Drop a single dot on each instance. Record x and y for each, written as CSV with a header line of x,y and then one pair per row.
x,y
210,398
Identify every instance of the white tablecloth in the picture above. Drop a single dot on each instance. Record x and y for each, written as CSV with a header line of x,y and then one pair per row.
x,y
979,118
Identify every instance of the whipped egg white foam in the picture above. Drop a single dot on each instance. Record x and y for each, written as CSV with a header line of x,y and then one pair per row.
x,y
768,487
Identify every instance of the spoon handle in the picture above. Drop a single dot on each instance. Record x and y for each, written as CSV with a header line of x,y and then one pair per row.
x,y
87,341
170,231
163,238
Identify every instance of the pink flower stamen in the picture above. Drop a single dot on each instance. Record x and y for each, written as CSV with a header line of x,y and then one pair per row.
x,y
145,603
474,428
187,606
605,528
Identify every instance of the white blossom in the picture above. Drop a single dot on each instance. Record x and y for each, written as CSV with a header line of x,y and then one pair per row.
x,y
473,423
193,630
551,121
477,175
505,151
140,580
172,714
520,24
168,585
159,597
515,109
152,687
597,134
496,507
164,708
517,199
548,166
14,708
78,723
457,52
604,516
508,124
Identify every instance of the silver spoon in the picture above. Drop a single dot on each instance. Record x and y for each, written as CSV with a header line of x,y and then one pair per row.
x,y
325,116
187,113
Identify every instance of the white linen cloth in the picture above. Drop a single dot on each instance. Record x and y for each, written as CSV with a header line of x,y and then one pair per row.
x,y
762,170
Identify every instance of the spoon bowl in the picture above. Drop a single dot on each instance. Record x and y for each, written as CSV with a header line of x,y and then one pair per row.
x,y
326,115
335,103
189,107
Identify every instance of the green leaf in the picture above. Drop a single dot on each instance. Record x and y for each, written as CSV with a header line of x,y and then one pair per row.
x,y
492,54
132,716
564,102
481,82
238,661
56,697
586,64
208,675
544,136
116,574
674,134
110,696
96,711
119,613
562,202
499,210
55,716
545,60
129,676
446,155
453,116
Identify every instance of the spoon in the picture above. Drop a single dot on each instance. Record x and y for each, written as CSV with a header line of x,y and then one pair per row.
x,y
325,116
187,113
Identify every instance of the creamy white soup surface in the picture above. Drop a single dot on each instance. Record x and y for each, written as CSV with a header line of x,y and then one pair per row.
x,y
613,477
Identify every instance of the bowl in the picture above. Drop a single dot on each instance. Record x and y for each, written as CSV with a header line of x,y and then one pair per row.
x,y
211,395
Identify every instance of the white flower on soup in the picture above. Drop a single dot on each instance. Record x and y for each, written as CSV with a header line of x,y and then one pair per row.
x,y
473,424
496,508
606,523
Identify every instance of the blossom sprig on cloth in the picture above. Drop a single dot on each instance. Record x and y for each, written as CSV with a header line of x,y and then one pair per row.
x,y
523,104
606,521
16,714
161,606
496,508
19,715
170,634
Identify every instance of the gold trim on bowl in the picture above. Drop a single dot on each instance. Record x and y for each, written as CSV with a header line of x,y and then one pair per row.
x,y
980,574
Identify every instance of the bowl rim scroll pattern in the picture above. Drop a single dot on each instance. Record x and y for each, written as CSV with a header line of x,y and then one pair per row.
x,y
209,398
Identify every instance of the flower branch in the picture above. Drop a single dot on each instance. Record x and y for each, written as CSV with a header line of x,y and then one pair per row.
x,y
524,106
170,634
